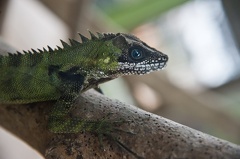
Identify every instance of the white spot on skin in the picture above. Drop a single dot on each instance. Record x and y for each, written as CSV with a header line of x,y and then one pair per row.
x,y
162,64
106,60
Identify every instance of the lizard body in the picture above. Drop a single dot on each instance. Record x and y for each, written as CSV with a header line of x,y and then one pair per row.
x,y
63,73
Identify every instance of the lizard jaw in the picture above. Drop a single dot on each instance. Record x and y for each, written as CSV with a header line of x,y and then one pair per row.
x,y
144,67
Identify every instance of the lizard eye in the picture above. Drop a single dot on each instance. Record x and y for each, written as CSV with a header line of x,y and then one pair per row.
x,y
136,53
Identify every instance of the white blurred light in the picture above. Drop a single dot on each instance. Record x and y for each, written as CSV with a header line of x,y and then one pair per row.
x,y
29,24
202,29
210,59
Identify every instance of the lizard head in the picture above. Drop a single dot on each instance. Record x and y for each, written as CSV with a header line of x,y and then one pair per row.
x,y
110,55
136,57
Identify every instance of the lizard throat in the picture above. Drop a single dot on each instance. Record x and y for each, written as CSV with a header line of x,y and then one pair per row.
x,y
94,82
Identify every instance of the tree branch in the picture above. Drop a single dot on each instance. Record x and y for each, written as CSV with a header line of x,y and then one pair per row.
x,y
152,136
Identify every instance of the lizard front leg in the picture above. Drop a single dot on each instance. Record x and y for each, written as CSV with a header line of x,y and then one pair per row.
x,y
61,120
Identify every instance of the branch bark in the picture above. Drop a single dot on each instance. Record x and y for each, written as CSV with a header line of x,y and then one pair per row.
x,y
151,136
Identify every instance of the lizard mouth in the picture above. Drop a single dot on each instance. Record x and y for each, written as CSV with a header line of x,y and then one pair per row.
x,y
144,67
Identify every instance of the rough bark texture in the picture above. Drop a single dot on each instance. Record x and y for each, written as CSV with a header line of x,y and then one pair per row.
x,y
145,134
151,136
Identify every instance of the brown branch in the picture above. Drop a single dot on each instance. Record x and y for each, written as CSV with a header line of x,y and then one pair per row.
x,y
151,136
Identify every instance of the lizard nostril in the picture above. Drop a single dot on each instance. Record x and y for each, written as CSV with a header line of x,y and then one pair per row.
x,y
165,58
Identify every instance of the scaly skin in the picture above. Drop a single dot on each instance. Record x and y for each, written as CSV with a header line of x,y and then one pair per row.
x,y
63,73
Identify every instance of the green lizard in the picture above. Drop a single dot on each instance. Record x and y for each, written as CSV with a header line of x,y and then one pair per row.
x,y
63,73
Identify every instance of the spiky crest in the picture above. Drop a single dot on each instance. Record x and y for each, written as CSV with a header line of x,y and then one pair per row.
x,y
40,51
93,37
74,42
44,49
50,49
64,44
100,36
83,38
34,51
59,48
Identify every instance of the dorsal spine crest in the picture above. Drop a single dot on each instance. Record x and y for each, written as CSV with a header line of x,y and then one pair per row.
x,y
65,45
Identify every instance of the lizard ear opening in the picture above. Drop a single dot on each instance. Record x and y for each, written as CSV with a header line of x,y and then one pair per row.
x,y
119,41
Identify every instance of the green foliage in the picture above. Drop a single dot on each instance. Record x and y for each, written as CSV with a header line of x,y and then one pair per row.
x,y
131,14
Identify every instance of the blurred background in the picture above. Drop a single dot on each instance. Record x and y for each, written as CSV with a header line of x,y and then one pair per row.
x,y
199,88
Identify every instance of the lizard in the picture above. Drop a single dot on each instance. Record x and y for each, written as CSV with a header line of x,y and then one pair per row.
x,y
63,73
